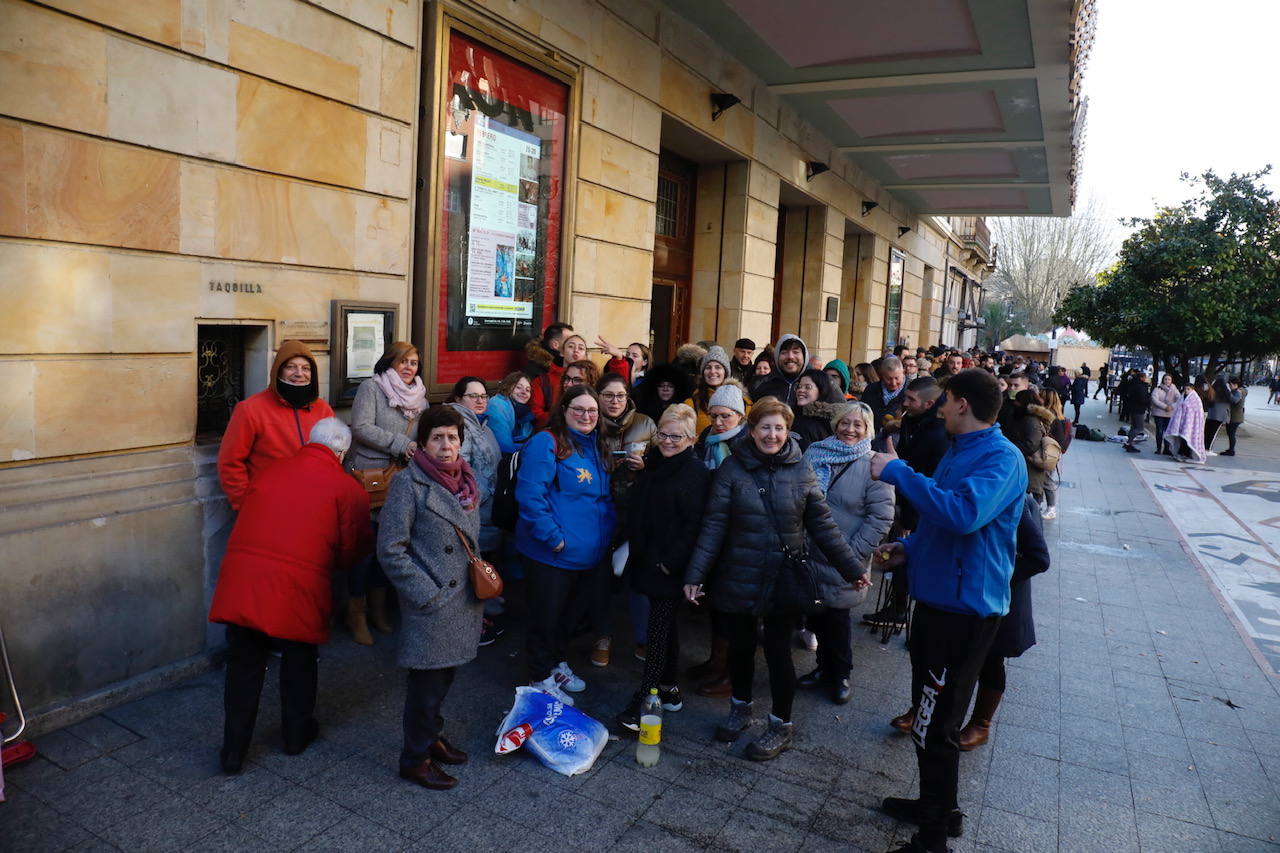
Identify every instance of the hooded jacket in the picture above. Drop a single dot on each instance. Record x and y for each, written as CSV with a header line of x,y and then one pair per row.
x,y
1026,432
646,393
922,442
662,523
545,372
778,384
862,509
301,519
264,428
961,557
480,449
738,553
1164,399
839,366
564,500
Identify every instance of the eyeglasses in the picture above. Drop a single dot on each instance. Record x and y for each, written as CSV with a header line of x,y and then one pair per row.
x,y
614,397
476,397
584,413
666,436
572,380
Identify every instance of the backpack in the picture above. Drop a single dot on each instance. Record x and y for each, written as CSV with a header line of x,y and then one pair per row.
x,y
1068,433
1046,458
1082,432
1096,434
505,507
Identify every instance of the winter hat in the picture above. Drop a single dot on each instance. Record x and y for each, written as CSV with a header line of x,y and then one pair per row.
x,y
728,395
839,367
716,353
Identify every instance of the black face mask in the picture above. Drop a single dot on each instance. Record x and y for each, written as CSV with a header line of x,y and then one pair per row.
x,y
298,396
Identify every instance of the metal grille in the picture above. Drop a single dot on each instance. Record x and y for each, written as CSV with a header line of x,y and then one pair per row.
x,y
219,377
668,223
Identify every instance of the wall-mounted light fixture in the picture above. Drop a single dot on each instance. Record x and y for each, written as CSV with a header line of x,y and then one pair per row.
x,y
904,230
721,101
868,206
814,168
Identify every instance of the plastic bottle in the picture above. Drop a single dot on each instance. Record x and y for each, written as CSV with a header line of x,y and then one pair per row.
x,y
649,746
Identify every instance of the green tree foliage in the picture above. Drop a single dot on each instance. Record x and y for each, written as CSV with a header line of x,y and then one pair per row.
x,y
1003,319
1202,278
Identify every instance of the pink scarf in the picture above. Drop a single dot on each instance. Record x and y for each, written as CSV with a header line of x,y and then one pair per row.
x,y
409,399
456,477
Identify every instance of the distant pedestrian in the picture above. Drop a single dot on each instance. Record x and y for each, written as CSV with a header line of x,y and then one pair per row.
x,y
1079,393
300,520
1137,400
1184,436
1164,399
1218,412
1238,393
1104,372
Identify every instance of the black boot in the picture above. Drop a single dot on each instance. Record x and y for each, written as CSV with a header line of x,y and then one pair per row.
x,y
908,811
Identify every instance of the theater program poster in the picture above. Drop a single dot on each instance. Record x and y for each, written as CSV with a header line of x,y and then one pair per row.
x,y
504,211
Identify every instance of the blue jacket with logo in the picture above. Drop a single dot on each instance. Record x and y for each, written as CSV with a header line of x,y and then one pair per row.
x,y
960,558
564,500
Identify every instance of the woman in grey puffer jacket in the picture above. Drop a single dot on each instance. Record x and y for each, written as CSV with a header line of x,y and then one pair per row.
x,y
764,498
863,510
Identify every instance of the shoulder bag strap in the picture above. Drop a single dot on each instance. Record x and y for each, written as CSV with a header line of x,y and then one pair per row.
x,y
839,474
767,499
466,545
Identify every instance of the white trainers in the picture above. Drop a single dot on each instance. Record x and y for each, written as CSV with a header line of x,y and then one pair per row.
x,y
1049,514
566,678
550,687
806,639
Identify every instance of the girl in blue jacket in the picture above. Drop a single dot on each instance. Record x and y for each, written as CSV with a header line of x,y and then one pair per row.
x,y
563,531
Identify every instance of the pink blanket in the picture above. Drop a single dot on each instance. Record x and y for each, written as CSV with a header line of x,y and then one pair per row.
x,y
1187,424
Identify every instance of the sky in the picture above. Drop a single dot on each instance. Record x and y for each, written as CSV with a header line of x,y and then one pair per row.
x,y
1178,86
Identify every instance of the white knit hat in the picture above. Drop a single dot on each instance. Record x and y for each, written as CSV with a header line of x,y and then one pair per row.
x,y
728,395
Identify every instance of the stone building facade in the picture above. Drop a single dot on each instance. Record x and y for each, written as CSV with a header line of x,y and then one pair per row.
x,y
184,184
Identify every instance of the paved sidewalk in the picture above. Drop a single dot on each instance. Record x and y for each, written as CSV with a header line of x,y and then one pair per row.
x,y
1141,721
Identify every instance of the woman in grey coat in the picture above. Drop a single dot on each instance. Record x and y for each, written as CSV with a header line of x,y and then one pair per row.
x,y
481,450
432,508
384,421
764,502
863,510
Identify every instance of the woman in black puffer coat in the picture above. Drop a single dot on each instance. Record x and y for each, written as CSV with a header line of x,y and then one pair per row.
x,y
765,492
666,505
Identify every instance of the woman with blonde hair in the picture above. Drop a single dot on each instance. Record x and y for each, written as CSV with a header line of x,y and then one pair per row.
x,y
666,508
384,423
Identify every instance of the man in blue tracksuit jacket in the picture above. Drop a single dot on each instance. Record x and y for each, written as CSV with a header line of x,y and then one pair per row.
x,y
959,563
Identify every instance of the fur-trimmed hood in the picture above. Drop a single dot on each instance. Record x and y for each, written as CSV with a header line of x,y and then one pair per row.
x,y
538,354
1042,413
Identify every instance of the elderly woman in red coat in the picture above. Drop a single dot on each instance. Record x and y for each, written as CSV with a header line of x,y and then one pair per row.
x,y
301,519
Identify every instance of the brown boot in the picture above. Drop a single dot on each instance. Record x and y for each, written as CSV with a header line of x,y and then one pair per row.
x,y
979,728
904,722
717,686
356,624
378,609
713,665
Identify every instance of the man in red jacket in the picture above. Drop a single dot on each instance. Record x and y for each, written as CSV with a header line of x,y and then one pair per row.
x,y
301,519
273,423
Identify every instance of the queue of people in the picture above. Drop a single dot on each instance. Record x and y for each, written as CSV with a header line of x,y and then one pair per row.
x,y
762,489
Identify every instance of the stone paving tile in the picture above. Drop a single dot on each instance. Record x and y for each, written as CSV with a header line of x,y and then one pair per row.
x,y
1001,830
1157,833
172,825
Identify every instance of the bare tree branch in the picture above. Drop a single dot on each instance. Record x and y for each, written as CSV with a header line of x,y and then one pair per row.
x,y
1041,257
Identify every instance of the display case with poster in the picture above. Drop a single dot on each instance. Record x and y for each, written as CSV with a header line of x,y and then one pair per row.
x,y
360,333
504,132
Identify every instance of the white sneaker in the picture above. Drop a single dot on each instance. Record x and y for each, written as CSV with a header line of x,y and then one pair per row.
x,y
806,639
551,688
566,678
1049,514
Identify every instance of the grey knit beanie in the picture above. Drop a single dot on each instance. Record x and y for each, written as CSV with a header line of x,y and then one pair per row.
x,y
728,395
716,353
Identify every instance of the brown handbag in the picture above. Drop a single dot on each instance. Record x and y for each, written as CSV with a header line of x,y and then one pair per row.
x,y
485,580
376,481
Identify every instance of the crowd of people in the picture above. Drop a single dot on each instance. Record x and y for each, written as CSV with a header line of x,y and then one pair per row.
x,y
757,490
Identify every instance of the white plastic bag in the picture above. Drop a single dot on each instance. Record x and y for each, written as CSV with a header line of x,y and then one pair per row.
x,y
620,559
562,737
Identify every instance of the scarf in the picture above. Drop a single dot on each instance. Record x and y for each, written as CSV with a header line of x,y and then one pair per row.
x,y
831,452
718,445
456,477
409,399
297,396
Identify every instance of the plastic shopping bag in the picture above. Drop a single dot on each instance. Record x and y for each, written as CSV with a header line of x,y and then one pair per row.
x,y
562,737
